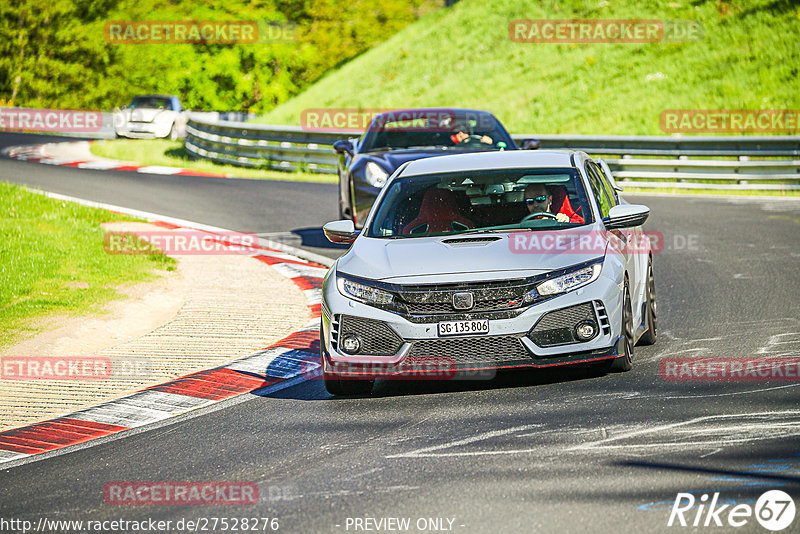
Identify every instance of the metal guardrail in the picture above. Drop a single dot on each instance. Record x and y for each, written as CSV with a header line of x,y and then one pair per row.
x,y
287,148
662,161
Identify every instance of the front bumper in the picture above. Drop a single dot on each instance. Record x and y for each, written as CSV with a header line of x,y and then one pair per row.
x,y
144,130
413,348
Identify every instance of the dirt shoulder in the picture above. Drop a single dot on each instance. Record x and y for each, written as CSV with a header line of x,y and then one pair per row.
x,y
212,309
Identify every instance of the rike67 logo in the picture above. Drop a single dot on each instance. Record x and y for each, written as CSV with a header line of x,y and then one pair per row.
x,y
774,510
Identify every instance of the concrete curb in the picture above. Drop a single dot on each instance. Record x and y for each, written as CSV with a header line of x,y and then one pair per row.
x,y
294,356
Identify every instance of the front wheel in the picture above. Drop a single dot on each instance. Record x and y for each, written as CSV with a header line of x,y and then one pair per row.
x,y
624,362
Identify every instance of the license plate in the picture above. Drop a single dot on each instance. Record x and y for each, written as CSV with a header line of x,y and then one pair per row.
x,y
460,328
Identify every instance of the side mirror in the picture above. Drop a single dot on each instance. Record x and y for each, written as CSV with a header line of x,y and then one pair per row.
x,y
626,216
340,231
531,144
344,146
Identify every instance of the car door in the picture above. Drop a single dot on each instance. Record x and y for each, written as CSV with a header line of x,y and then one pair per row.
x,y
636,257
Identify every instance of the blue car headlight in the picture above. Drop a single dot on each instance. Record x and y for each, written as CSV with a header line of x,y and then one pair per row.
x,y
363,293
375,175
570,281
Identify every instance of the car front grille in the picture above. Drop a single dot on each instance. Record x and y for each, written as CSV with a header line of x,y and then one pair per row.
x,y
467,350
558,327
487,297
377,338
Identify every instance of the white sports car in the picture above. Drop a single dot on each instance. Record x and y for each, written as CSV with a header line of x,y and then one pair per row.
x,y
151,116
488,261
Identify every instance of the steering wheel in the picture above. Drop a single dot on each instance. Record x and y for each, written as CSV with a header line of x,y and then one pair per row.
x,y
471,139
538,214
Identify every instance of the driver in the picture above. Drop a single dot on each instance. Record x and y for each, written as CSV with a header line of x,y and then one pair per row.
x,y
538,199
460,134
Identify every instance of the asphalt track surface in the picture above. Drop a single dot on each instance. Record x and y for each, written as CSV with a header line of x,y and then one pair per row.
x,y
573,450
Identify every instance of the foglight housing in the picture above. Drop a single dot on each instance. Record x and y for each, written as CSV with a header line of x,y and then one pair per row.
x,y
375,175
363,293
571,281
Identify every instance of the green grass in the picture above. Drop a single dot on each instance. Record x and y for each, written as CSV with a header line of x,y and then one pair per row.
x,y
462,56
53,261
172,154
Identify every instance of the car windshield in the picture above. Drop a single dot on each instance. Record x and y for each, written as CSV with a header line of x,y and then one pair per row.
x,y
151,102
481,201
435,129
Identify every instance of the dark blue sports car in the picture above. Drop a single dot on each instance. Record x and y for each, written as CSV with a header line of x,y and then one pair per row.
x,y
397,136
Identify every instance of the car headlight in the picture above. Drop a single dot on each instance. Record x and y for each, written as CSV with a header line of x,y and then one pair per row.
x,y
363,293
570,281
375,176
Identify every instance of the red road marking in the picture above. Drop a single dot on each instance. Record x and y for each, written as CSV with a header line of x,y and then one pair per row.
x,y
189,172
270,260
214,384
54,434
167,225
125,168
307,282
308,340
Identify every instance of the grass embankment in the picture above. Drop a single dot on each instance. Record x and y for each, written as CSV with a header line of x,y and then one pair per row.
x,y
172,154
462,56
53,261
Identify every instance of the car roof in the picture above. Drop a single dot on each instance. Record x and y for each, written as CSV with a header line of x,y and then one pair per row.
x,y
156,96
504,159
459,111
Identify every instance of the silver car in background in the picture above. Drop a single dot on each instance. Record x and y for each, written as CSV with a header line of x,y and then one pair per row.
x,y
488,261
151,117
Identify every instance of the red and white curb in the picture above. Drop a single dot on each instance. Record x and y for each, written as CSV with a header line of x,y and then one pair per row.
x,y
40,154
293,356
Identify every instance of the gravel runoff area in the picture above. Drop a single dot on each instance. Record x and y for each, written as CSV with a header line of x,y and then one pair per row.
x,y
215,308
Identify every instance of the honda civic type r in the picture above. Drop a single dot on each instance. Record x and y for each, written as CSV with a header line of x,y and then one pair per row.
x,y
488,261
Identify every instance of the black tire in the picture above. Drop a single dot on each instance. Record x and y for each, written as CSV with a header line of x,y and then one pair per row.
x,y
651,334
624,362
347,388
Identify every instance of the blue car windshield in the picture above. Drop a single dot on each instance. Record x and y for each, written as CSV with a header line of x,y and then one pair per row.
x,y
475,201
440,129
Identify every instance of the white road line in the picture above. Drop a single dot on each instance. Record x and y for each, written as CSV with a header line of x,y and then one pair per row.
x,y
662,429
480,437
